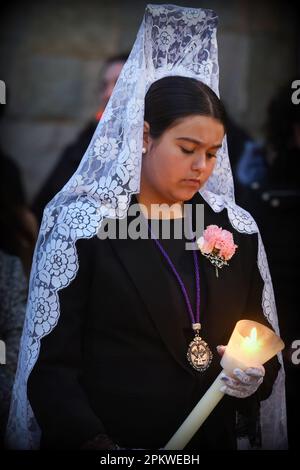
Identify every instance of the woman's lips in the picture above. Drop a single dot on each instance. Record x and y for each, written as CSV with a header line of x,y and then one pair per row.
x,y
192,182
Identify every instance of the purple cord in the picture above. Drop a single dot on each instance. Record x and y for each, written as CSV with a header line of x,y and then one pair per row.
x,y
180,281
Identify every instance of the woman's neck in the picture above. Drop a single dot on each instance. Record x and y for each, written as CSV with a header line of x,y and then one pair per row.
x,y
155,208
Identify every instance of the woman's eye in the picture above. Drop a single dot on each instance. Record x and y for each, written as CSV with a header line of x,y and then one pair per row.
x,y
186,150
211,155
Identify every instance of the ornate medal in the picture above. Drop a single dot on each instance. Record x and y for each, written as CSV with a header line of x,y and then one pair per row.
x,y
199,355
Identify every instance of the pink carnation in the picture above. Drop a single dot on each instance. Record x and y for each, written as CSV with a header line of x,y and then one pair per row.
x,y
215,238
211,235
227,250
204,246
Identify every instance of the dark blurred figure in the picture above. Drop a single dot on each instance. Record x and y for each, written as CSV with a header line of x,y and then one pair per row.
x,y
73,153
18,231
13,296
237,141
274,201
18,225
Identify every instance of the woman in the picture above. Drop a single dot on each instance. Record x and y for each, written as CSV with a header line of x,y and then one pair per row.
x,y
114,370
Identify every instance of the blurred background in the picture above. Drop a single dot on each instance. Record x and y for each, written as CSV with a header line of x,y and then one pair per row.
x,y
59,61
51,54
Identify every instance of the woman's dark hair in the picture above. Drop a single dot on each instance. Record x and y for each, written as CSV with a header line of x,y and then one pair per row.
x,y
172,98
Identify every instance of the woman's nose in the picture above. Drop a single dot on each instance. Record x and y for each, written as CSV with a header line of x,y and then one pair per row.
x,y
199,163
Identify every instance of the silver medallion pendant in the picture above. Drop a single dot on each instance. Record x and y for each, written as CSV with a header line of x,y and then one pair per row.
x,y
199,355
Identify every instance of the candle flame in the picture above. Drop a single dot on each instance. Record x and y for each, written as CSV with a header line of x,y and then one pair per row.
x,y
253,334
250,342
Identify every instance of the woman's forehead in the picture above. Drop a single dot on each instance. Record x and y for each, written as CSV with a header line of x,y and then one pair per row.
x,y
198,129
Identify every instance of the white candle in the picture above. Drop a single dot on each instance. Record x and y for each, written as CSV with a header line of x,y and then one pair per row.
x,y
197,416
250,344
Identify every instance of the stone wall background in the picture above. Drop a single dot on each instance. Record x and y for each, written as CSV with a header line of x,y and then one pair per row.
x,y
51,53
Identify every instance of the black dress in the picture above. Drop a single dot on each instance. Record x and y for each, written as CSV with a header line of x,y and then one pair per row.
x,y
116,362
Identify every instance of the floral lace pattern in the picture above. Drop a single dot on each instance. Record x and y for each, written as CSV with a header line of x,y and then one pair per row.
x,y
171,41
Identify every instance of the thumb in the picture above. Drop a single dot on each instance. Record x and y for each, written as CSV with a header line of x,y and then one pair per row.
x,y
221,349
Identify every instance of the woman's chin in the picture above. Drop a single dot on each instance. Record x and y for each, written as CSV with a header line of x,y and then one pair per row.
x,y
187,194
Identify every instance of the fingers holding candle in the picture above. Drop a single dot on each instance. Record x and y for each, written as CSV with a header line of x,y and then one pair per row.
x,y
221,349
244,383
241,376
249,375
256,371
251,344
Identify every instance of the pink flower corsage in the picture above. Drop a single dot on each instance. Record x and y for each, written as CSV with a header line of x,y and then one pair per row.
x,y
217,245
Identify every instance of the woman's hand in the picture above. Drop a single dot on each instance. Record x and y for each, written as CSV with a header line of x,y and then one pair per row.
x,y
244,383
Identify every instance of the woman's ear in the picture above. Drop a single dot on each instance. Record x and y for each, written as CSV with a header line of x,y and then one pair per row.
x,y
146,135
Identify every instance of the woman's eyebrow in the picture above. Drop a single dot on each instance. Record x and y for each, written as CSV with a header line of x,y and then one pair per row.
x,y
198,142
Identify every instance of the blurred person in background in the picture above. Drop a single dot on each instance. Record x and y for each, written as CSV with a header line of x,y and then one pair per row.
x,y
19,228
18,231
238,139
13,293
273,198
72,154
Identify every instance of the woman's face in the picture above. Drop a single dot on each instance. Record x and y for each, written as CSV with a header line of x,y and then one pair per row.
x,y
179,163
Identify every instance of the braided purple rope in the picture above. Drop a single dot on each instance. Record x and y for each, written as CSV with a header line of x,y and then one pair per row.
x,y
180,281
197,276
